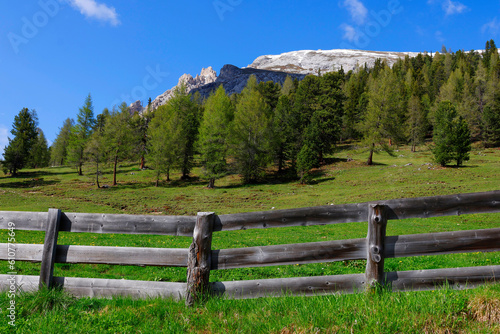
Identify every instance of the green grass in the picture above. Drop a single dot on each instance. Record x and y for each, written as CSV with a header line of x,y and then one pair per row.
x,y
338,182
438,311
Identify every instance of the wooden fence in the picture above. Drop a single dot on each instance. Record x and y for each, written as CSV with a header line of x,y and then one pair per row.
x,y
200,259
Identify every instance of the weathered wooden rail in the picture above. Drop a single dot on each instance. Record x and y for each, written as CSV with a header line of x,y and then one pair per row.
x,y
200,259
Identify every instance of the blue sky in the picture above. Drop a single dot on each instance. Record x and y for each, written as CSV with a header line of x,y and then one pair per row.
x,y
53,53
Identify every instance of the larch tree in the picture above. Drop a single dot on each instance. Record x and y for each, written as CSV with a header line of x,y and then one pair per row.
x,y
119,136
59,150
80,134
251,135
382,119
164,142
214,133
40,153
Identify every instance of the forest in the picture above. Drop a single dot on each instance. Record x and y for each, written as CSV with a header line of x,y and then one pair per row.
x,y
450,99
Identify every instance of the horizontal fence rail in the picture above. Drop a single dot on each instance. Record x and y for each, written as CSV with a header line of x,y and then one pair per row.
x,y
200,259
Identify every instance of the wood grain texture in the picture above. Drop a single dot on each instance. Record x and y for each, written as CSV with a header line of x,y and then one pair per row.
x,y
423,207
102,288
456,278
302,286
49,248
375,246
199,259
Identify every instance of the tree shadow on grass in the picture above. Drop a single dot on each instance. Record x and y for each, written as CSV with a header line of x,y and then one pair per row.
x,y
28,183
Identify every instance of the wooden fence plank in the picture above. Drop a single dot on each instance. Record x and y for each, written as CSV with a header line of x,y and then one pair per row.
x,y
49,248
136,256
103,288
424,207
302,286
487,240
199,258
456,278
375,245
314,252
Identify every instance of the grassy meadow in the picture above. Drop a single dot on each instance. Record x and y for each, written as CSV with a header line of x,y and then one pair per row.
x,y
345,178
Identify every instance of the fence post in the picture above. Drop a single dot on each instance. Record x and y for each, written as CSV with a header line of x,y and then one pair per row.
x,y
375,244
49,248
199,258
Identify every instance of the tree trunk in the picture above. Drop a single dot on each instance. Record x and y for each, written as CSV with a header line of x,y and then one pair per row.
x,y
370,158
211,183
80,170
168,174
97,175
143,162
114,170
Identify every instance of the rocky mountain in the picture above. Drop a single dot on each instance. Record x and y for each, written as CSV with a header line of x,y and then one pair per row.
x,y
310,62
206,77
296,64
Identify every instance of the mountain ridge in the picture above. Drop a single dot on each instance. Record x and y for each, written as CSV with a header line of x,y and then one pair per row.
x,y
276,68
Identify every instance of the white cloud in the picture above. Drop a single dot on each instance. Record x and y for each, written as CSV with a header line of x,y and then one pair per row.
x,y
492,27
4,141
99,11
350,33
439,36
450,7
454,7
358,11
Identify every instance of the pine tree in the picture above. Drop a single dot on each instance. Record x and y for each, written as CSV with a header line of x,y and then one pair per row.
x,y
119,136
40,153
451,136
17,152
382,122
187,113
416,122
214,133
59,150
164,144
80,134
251,133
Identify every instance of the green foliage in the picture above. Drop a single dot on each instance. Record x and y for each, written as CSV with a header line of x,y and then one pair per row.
x,y
40,153
186,114
59,150
416,122
251,136
306,160
119,137
214,133
164,144
17,152
451,136
80,133
383,118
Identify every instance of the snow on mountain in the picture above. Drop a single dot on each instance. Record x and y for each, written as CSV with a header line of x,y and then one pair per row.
x,y
310,61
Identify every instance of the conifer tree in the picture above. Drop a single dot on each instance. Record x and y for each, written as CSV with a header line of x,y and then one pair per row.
x,y
451,136
214,132
17,152
80,133
40,153
251,139
59,149
119,136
